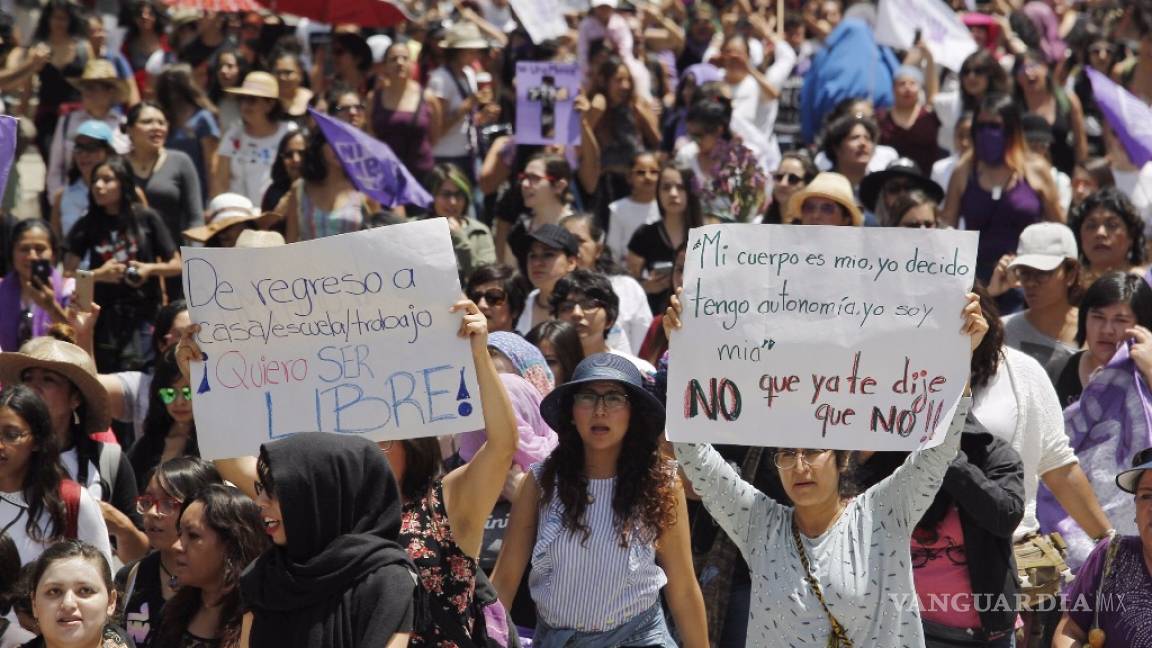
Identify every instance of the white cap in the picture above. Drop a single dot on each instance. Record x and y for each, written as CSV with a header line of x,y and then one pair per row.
x,y
605,3
1045,246
379,44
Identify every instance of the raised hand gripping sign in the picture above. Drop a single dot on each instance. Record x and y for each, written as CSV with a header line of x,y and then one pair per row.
x,y
348,334
820,337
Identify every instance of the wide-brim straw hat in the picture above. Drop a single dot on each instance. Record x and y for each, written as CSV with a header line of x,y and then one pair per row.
x,y
832,186
258,84
99,70
464,35
69,361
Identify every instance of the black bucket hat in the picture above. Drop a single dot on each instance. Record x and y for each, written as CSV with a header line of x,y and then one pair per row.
x,y
903,167
597,368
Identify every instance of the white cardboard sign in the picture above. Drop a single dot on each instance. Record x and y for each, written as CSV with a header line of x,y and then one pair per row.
x,y
820,336
348,334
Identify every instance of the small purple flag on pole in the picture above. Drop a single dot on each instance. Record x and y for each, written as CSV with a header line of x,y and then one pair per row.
x,y
1130,118
371,165
8,127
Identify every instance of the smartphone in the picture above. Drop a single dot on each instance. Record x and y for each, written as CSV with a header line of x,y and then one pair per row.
x,y
661,269
82,297
42,270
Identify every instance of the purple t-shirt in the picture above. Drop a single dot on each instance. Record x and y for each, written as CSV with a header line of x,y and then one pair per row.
x,y
1126,604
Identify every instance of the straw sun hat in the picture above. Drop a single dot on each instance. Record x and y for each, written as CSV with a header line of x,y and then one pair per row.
x,y
68,360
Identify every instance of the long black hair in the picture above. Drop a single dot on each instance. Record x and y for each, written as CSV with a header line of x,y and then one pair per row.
x,y
146,453
185,477
77,27
127,217
43,474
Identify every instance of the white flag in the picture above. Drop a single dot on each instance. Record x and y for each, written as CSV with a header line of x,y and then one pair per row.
x,y
897,22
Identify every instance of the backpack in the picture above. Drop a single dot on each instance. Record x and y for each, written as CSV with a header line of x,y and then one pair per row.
x,y
492,627
70,493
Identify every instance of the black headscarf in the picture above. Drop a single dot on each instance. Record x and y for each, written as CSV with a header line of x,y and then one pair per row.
x,y
342,579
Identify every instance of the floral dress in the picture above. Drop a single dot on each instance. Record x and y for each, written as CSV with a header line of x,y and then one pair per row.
x,y
447,574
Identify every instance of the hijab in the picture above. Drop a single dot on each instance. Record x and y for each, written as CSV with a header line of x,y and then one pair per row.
x,y
526,358
536,440
336,583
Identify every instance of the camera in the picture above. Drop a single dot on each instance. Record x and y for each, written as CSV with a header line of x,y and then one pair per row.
x,y
132,277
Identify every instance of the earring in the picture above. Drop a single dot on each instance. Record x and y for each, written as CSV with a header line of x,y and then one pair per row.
x,y
75,417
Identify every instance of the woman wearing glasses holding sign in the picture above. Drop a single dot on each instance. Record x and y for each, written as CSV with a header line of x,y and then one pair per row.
x,y
831,568
603,521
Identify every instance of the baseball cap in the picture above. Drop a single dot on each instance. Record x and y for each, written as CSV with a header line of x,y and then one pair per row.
x,y
1044,246
96,130
555,237
605,3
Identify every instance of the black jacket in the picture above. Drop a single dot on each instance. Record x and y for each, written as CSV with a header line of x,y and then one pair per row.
x,y
986,483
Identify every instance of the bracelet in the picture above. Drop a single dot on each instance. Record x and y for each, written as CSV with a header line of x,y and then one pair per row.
x,y
1107,534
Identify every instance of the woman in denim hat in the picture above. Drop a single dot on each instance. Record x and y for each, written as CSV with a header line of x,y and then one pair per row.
x,y
596,516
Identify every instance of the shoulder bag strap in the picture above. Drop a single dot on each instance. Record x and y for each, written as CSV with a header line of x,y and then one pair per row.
x,y
1113,545
838,638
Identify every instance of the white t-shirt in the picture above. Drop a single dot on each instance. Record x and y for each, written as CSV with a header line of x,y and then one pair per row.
x,y
456,142
90,525
251,159
634,318
71,462
625,216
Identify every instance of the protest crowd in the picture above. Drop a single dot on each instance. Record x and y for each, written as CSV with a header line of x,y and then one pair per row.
x,y
569,150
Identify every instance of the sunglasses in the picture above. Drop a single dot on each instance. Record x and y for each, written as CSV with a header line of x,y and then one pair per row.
x,y
533,179
352,108
494,296
792,178
168,394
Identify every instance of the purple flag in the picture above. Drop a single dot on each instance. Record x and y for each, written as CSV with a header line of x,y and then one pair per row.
x,y
1130,118
8,126
371,165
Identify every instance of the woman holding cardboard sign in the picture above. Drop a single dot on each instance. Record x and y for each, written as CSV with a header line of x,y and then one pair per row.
x,y
831,560
443,515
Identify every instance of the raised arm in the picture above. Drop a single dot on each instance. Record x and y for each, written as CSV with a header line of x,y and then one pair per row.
x,y
471,490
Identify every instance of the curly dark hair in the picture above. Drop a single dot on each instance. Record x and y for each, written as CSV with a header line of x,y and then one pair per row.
x,y
644,500
592,285
838,131
1113,200
41,489
238,522
986,358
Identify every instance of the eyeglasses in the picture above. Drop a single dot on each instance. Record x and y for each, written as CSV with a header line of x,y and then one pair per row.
x,y
568,305
452,195
792,178
612,401
533,179
351,108
789,459
168,394
921,556
494,296
1031,275
11,435
165,506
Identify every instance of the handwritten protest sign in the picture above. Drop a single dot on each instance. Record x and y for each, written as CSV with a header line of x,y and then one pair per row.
x,y
348,334
542,19
820,337
898,21
545,96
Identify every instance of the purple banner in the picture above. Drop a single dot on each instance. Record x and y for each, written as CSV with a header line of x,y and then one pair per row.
x,y
8,128
371,165
1130,118
545,99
